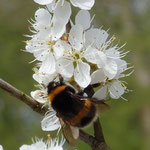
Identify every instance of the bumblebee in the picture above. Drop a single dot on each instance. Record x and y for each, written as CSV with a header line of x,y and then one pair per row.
x,y
73,109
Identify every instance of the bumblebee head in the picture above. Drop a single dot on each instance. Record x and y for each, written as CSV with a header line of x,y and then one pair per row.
x,y
52,85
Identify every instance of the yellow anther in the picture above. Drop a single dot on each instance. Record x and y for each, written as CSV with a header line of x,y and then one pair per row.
x,y
27,41
124,85
49,136
52,25
112,40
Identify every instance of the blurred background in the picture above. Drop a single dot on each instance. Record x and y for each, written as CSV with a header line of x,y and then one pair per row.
x,y
127,125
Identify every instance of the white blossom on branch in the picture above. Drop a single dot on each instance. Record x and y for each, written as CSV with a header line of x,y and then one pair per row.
x,y
50,144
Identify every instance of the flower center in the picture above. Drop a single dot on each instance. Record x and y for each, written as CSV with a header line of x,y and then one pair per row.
x,y
77,56
50,44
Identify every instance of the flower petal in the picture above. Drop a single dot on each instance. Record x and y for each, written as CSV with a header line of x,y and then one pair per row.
x,y
110,69
116,89
42,16
98,76
112,53
76,37
83,18
43,2
25,147
58,148
60,47
40,145
61,17
122,66
41,54
44,78
62,11
51,6
101,59
58,29
82,4
38,96
93,55
48,65
101,93
50,122
82,74
1,148
65,67
96,37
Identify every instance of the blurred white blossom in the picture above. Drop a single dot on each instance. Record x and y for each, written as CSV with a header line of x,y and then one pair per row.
x,y
86,4
50,144
1,148
50,121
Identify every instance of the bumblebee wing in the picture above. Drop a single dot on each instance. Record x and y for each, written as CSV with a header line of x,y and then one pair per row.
x,y
68,133
100,104
75,132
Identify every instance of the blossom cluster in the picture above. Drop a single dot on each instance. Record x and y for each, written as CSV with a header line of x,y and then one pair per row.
x,y
81,53
39,144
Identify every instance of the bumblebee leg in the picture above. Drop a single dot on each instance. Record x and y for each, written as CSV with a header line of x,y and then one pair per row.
x,y
89,90
80,93
61,80
95,85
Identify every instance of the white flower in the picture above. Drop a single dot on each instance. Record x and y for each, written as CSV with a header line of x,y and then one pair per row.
x,y
114,87
72,62
40,96
108,55
1,148
48,30
86,4
55,24
50,122
56,145
50,144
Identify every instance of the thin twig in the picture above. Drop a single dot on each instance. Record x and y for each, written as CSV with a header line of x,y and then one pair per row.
x,y
98,132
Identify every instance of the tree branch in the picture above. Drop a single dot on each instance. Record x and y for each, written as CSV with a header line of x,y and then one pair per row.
x,y
98,132
93,142
97,142
23,97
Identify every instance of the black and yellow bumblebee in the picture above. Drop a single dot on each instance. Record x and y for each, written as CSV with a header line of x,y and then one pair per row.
x,y
73,109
